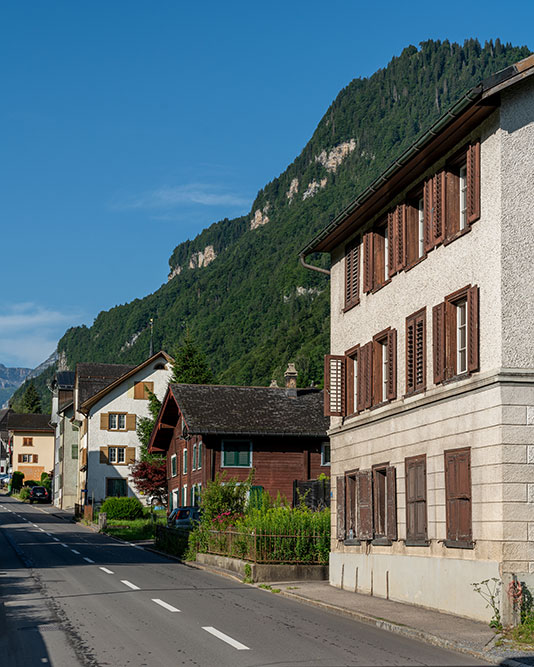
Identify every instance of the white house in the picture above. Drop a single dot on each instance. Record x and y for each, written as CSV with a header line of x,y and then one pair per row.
x,y
108,440
431,378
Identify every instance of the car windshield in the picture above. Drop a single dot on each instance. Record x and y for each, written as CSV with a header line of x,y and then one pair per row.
x,y
39,489
183,514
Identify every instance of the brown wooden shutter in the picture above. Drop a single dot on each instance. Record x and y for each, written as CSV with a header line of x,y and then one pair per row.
x,y
368,375
416,522
410,355
139,390
103,455
340,504
352,273
439,200
473,183
428,214
130,455
375,372
458,496
368,264
392,365
365,504
391,503
400,237
35,458
438,336
420,352
104,421
349,386
392,242
361,380
335,385
472,330
130,422
20,458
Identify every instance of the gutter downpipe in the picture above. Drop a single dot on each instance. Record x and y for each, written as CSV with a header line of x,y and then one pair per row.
x,y
311,267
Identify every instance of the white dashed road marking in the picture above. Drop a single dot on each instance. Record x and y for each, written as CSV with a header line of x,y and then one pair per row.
x,y
129,583
75,552
56,539
88,559
225,638
165,605
64,545
105,569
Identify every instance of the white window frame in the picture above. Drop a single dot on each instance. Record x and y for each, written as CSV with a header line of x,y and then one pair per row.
x,y
184,461
199,456
174,466
184,495
240,441
386,255
421,228
385,367
324,445
112,455
114,421
463,196
461,330
194,461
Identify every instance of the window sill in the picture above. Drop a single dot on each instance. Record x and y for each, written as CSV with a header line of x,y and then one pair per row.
x,y
417,543
350,306
381,542
414,393
352,543
243,467
451,544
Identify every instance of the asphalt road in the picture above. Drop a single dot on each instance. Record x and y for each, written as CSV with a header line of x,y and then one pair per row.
x,y
73,597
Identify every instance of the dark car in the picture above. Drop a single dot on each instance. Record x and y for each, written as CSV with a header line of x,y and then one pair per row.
x,y
184,517
39,494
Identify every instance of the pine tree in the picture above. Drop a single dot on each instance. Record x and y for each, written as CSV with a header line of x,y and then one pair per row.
x,y
31,401
190,364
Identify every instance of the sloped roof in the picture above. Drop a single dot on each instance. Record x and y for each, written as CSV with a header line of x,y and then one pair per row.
x,y
65,379
97,395
29,422
92,378
216,409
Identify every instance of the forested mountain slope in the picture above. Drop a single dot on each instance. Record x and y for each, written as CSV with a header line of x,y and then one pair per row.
x,y
238,285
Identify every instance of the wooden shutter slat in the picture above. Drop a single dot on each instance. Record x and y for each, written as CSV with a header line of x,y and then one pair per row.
x,y
392,242
368,378
458,495
438,336
392,365
473,182
368,264
410,355
20,458
428,214
360,390
473,361
35,458
391,503
365,504
340,503
335,383
400,238
352,273
104,421
130,455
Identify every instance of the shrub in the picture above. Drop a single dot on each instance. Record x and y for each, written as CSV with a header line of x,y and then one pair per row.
x,y
16,482
122,508
31,482
46,482
24,493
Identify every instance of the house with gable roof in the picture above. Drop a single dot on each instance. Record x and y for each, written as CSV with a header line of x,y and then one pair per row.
x,y
108,409
430,380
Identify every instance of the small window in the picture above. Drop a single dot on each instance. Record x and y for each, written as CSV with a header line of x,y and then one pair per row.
x,y
184,495
121,454
199,455
173,465
236,454
184,467
27,458
159,367
74,451
141,390
325,454
112,454
352,273
194,462
116,487
461,337
116,422
27,442
463,196
379,501
415,245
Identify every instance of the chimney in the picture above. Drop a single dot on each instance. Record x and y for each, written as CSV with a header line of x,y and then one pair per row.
x,y
291,381
274,384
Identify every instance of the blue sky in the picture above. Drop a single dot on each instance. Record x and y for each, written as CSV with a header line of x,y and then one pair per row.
x,y
128,127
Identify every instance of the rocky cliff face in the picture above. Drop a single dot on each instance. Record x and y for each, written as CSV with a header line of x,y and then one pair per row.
x,y
10,381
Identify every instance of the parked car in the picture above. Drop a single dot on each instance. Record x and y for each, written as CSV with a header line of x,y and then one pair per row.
x,y
39,494
184,517
4,480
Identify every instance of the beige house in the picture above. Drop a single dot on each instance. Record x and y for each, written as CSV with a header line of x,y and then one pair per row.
x,y
430,384
31,439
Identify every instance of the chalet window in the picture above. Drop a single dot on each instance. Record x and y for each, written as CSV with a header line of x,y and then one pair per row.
x,y
27,442
384,366
458,498
116,421
236,454
416,514
184,462
352,273
325,454
455,324
174,467
116,487
415,246
141,389
416,352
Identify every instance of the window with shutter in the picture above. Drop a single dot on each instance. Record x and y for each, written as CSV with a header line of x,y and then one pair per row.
x,y
141,389
381,255
439,201
351,389
236,454
350,505
416,514
174,467
368,261
340,505
428,214
414,242
364,492
458,498
416,352
399,237
184,461
335,386
473,182
384,372
352,273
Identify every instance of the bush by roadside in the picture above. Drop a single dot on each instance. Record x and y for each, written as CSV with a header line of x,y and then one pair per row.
x,y
128,509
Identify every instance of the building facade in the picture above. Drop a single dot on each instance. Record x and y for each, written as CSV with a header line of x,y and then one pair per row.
x,y
31,439
431,377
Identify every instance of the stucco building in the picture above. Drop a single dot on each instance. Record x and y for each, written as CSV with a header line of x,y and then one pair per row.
x,y
66,441
431,378
31,439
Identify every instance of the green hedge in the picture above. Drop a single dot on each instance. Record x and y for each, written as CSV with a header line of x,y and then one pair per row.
x,y
16,482
172,541
122,508
24,493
